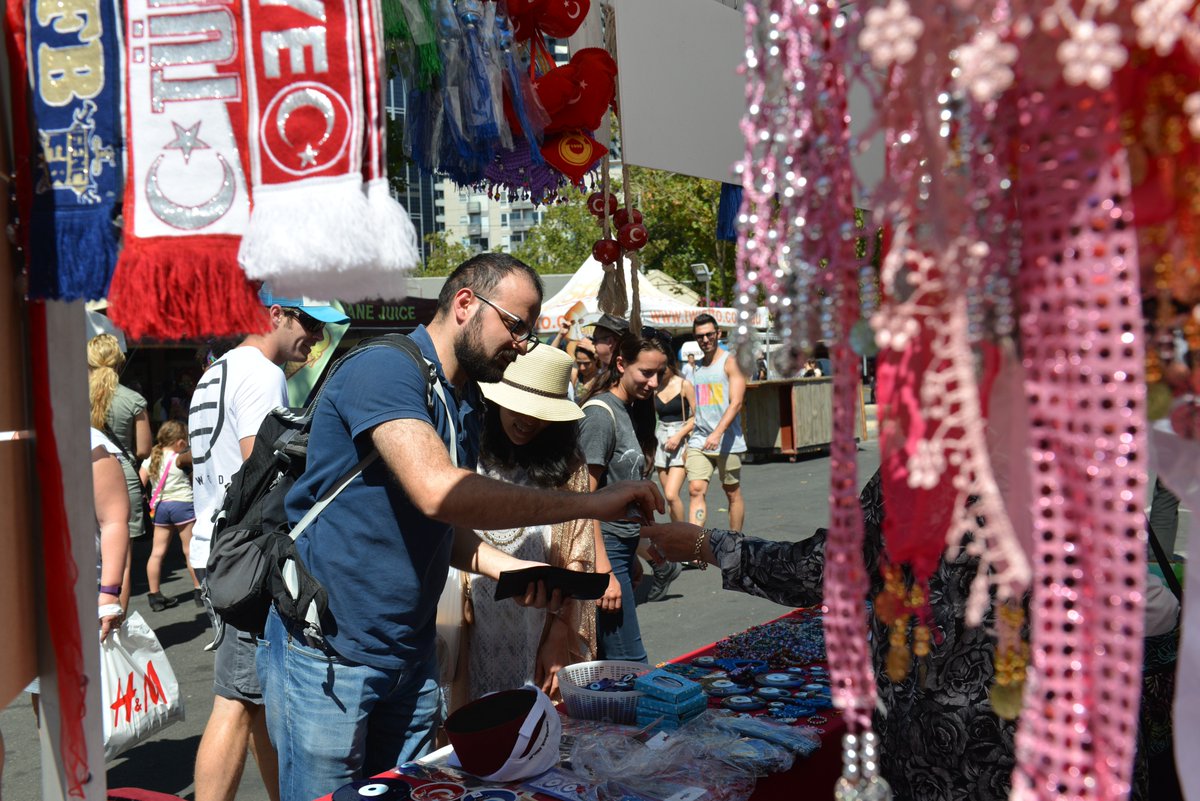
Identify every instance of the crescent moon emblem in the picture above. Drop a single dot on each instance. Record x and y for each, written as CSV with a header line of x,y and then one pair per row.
x,y
312,98
578,9
191,218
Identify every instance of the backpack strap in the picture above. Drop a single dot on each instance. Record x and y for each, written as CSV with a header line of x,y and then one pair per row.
x,y
594,402
399,342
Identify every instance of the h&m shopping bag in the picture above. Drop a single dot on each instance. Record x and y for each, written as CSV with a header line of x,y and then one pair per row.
x,y
139,692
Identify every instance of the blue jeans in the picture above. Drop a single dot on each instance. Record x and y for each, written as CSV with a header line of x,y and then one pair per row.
x,y
333,721
618,633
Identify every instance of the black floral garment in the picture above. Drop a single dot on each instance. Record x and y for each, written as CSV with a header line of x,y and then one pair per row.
x,y
940,739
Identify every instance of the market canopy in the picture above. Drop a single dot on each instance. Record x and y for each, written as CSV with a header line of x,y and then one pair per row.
x,y
659,308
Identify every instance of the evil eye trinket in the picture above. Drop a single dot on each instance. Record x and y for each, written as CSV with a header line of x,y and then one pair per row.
x,y
779,680
721,688
772,693
743,703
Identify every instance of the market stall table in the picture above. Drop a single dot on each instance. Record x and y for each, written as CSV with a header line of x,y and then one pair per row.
x,y
816,773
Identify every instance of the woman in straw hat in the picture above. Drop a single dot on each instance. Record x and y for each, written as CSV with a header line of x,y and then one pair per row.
x,y
531,436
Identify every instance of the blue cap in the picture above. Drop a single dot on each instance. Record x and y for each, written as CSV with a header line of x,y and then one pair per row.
x,y
321,312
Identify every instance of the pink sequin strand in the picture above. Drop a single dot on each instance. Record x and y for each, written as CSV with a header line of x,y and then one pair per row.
x,y
798,251
1081,335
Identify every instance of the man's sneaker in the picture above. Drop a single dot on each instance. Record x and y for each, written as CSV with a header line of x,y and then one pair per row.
x,y
664,574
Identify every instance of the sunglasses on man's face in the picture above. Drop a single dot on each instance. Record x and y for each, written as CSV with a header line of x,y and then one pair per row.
x,y
310,324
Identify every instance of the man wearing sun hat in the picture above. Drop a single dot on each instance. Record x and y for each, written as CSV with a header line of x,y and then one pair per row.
x,y
230,402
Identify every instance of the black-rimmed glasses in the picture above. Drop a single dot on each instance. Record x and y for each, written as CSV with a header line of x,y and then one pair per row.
x,y
518,329
709,335
310,324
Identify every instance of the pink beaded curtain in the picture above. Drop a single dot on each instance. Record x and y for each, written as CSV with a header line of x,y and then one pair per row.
x,y
1081,331
1005,154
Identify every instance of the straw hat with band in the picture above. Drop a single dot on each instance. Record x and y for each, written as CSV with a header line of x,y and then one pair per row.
x,y
535,384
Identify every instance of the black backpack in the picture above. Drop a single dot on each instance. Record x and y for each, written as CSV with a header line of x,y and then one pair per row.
x,y
253,561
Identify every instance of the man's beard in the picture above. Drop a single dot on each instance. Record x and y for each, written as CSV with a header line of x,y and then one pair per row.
x,y
474,360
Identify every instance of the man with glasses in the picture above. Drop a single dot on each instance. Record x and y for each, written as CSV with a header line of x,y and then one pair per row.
x,y
368,698
716,442
229,404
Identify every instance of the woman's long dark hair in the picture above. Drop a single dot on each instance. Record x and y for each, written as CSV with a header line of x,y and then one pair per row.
x,y
549,460
640,412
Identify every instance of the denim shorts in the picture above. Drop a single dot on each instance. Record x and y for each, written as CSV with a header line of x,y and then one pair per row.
x,y
234,674
174,513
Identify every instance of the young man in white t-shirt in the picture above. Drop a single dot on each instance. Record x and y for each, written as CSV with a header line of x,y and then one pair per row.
x,y
230,402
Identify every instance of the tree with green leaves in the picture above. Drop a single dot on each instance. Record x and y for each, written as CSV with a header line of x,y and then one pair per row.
x,y
563,240
680,215
679,212
444,254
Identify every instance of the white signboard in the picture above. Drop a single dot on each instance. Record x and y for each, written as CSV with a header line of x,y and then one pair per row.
x,y
682,98
681,95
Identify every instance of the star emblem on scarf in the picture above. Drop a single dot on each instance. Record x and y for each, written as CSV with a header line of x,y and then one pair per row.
x,y
186,140
308,156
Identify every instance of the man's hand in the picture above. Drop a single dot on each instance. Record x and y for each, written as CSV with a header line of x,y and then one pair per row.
x,y
625,500
713,442
677,541
611,600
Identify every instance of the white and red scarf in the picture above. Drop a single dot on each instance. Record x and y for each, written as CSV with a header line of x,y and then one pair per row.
x,y
312,231
187,202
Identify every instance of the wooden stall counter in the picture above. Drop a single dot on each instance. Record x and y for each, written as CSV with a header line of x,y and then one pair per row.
x,y
793,416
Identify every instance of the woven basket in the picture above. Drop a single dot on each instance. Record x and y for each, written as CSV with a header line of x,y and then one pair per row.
x,y
585,704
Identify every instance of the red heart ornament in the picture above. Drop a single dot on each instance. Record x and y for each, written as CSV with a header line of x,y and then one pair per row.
x,y
524,16
606,251
577,94
562,18
633,236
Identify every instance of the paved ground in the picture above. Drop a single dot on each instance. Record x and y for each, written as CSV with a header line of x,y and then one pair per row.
x,y
784,500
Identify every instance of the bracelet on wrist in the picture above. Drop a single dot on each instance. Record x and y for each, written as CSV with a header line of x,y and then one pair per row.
x,y
110,589
697,556
110,610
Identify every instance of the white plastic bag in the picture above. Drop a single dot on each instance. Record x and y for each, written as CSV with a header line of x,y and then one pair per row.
x,y
139,690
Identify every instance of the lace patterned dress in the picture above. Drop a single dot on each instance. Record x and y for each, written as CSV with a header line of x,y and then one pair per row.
x,y
504,636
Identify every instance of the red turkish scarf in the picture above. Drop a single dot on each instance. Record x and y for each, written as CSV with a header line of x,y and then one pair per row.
x,y
311,229
186,201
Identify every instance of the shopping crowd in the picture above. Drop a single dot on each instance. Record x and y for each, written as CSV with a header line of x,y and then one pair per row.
x,y
528,453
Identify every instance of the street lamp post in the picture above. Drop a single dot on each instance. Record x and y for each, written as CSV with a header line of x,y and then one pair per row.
x,y
703,273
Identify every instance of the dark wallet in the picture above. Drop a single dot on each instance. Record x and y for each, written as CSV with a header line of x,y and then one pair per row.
x,y
573,583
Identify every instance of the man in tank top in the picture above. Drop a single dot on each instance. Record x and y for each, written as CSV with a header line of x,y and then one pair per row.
x,y
716,442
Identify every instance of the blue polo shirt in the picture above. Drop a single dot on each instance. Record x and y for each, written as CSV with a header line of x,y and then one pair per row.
x,y
381,561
